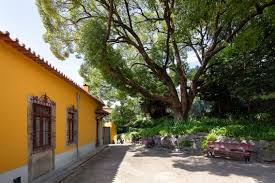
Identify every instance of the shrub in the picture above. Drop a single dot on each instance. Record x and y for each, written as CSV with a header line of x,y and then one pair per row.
x,y
130,136
262,116
209,137
242,129
185,143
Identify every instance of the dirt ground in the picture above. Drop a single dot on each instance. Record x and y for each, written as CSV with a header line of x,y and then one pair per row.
x,y
133,164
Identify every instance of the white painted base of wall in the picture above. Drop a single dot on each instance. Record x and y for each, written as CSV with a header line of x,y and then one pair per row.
x,y
65,158
7,177
88,148
61,160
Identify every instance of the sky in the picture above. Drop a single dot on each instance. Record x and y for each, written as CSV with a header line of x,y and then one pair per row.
x,y
22,20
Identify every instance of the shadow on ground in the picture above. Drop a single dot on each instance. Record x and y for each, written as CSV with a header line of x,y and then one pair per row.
x,y
262,173
259,172
140,151
102,168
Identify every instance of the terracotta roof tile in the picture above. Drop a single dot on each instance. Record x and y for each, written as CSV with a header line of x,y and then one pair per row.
x,y
5,36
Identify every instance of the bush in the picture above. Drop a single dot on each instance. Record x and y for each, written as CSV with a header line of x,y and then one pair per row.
x,y
142,123
130,136
262,116
256,130
240,129
209,137
185,143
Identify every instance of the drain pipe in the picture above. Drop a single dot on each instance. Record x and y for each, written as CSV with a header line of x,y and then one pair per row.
x,y
77,105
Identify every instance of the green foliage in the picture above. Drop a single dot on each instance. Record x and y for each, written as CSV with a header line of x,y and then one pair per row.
x,y
156,109
247,129
262,116
245,69
99,86
185,143
142,122
130,136
127,114
143,48
209,137
200,107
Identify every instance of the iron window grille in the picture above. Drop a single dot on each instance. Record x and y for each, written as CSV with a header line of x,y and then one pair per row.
x,y
42,122
72,125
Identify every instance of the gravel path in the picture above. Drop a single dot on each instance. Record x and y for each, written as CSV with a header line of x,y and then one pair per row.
x,y
132,164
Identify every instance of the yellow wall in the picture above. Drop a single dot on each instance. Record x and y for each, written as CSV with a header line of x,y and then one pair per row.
x,y
20,78
113,130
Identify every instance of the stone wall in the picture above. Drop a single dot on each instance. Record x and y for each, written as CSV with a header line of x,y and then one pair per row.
x,y
192,144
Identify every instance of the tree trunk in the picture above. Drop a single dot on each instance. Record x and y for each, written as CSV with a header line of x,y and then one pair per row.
x,y
181,112
179,115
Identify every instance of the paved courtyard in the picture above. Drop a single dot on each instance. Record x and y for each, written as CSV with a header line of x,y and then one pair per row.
x,y
131,164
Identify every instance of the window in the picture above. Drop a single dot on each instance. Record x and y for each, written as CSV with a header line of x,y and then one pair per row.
x,y
41,126
71,125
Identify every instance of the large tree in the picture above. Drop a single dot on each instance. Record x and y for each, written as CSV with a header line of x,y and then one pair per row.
x,y
246,69
140,46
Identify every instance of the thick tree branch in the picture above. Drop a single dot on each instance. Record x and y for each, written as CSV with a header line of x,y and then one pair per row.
x,y
184,100
156,69
109,25
117,74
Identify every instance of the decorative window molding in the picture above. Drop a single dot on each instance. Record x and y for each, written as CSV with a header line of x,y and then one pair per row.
x,y
41,124
72,125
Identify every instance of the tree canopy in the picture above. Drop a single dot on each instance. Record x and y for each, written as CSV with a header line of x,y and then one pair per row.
x,y
141,46
246,69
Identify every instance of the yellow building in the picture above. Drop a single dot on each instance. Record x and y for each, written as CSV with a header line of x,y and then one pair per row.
x,y
109,129
109,132
47,121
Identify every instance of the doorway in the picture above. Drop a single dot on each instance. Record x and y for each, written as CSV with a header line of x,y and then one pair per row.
x,y
97,132
41,136
106,135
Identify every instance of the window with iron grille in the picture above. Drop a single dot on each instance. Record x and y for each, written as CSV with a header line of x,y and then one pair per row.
x,y
71,125
41,126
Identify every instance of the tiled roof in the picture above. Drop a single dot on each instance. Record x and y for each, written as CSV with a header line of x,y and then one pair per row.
x,y
5,36
102,111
